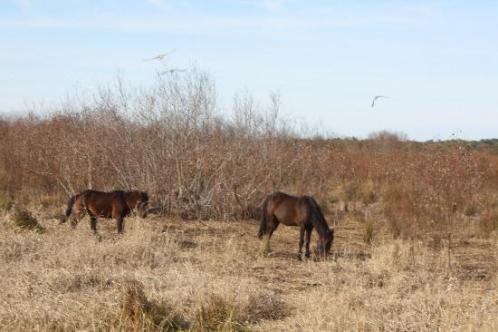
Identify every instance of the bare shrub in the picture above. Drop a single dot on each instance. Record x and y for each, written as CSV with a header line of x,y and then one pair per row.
x,y
171,140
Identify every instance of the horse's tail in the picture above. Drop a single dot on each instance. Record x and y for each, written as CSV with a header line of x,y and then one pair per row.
x,y
69,208
264,218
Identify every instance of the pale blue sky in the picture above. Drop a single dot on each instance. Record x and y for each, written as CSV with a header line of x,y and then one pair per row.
x,y
438,60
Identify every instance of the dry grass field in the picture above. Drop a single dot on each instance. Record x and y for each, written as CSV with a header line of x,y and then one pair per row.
x,y
172,274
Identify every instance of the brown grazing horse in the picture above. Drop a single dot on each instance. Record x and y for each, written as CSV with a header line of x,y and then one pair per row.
x,y
116,204
302,211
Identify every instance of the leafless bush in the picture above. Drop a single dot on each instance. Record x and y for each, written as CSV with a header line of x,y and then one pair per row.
x,y
171,140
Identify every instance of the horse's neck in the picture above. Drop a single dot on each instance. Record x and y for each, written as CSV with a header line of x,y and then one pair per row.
x,y
322,229
320,224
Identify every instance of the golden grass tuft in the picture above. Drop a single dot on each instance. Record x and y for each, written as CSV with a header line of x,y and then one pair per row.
x,y
24,220
137,313
265,306
217,314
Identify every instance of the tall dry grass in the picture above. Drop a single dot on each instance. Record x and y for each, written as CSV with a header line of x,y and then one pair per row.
x,y
209,276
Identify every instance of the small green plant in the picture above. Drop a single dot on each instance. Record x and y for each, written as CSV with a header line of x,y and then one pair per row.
x,y
25,220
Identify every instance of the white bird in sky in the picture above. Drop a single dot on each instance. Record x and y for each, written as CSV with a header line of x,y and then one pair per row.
x,y
160,57
172,70
375,99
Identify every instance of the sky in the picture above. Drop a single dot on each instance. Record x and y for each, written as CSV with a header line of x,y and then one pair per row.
x,y
436,60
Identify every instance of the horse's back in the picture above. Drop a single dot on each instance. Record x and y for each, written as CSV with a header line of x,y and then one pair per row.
x,y
288,209
106,204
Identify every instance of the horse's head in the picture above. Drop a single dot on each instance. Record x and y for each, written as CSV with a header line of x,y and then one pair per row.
x,y
325,243
143,205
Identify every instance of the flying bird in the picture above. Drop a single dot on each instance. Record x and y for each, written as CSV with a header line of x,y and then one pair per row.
x,y
160,57
375,99
172,71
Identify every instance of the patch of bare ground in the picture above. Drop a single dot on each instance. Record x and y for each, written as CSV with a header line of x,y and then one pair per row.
x,y
169,275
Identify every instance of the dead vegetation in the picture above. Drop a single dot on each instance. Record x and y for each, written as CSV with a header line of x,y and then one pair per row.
x,y
416,223
147,280
170,140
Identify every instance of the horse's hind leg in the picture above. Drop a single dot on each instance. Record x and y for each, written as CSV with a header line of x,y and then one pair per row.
x,y
272,226
266,244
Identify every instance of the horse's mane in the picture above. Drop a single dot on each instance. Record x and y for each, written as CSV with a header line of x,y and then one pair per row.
x,y
317,217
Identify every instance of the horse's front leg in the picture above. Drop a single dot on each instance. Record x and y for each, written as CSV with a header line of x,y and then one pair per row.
x,y
301,242
75,219
308,240
119,224
93,224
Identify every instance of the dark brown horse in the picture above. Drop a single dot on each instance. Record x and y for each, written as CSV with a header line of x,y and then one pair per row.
x,y
116,204
301,211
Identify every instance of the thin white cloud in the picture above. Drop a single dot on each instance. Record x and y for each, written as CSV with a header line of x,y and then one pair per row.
x,y
24,4
192,25
270,5
159,3
194,22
